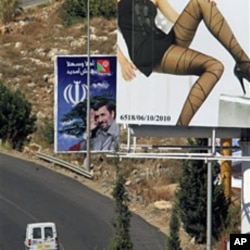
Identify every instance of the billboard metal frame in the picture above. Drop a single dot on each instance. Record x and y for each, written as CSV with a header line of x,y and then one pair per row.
x,y
212,134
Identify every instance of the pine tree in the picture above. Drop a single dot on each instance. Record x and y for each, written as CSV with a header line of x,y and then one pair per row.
x,y
121,239
173,240
192,198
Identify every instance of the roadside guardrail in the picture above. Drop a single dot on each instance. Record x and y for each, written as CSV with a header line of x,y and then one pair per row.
x,y
30,3
64,164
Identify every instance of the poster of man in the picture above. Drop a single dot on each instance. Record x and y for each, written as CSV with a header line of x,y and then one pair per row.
x,y
71,93
187,61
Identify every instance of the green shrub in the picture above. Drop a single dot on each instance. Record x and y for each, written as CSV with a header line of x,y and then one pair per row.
x,y
8,10
48,131
233,223
192,197
121,239
73,10
17,122
173,239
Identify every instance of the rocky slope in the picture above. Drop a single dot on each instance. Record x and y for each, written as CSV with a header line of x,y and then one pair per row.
x,y
29,45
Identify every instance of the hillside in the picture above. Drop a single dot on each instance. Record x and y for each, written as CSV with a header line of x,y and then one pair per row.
x,y
29,45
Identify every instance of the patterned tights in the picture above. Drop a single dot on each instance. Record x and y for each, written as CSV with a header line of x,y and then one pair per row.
x,y
181,60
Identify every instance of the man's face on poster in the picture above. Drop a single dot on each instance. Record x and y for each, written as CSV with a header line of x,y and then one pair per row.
x,y
104,118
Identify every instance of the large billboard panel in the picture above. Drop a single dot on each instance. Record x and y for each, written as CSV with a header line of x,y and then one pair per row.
x,y
192,91
71,92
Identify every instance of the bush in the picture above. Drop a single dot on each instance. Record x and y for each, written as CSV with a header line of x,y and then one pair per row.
x,y
173,239
192,198
48,131
8,10
73,10
121,239
16,120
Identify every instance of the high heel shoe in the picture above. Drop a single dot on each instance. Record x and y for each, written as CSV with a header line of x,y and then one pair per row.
x,y
241,75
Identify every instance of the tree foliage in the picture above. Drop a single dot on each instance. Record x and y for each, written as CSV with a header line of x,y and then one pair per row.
x,y
121,239
16,119
192,198
72,10
48,130
173,239
8,10
233,224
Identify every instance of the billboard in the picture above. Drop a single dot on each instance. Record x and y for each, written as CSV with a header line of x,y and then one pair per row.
x,y
196,84
71,92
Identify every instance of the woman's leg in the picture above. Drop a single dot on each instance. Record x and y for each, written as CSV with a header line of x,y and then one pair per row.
x,y
198,10
179,60
183,61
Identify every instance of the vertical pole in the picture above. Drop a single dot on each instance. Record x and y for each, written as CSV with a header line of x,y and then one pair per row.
x,y
211,143
128,138
88,156
209,205
226,168
245,194
134,143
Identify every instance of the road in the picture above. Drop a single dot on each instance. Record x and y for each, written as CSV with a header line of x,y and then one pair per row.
x,y
32,193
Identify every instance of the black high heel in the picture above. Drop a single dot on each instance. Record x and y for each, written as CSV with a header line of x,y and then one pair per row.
x,y
241,75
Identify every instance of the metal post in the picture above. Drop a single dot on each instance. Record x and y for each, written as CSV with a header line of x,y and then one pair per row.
x,y
209,205
245,195
128,138
209,193
87,160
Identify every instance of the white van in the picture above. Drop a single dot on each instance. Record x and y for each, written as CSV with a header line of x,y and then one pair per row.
x,y
42,236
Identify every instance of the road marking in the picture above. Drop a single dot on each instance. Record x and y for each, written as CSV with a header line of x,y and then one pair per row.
x,y
18,208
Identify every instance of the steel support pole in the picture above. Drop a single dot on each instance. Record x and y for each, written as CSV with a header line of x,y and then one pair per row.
x,y
87,160
211,143
128,139
209,205
245,194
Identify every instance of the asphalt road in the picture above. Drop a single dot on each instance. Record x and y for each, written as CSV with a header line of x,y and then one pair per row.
x,y
32,193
